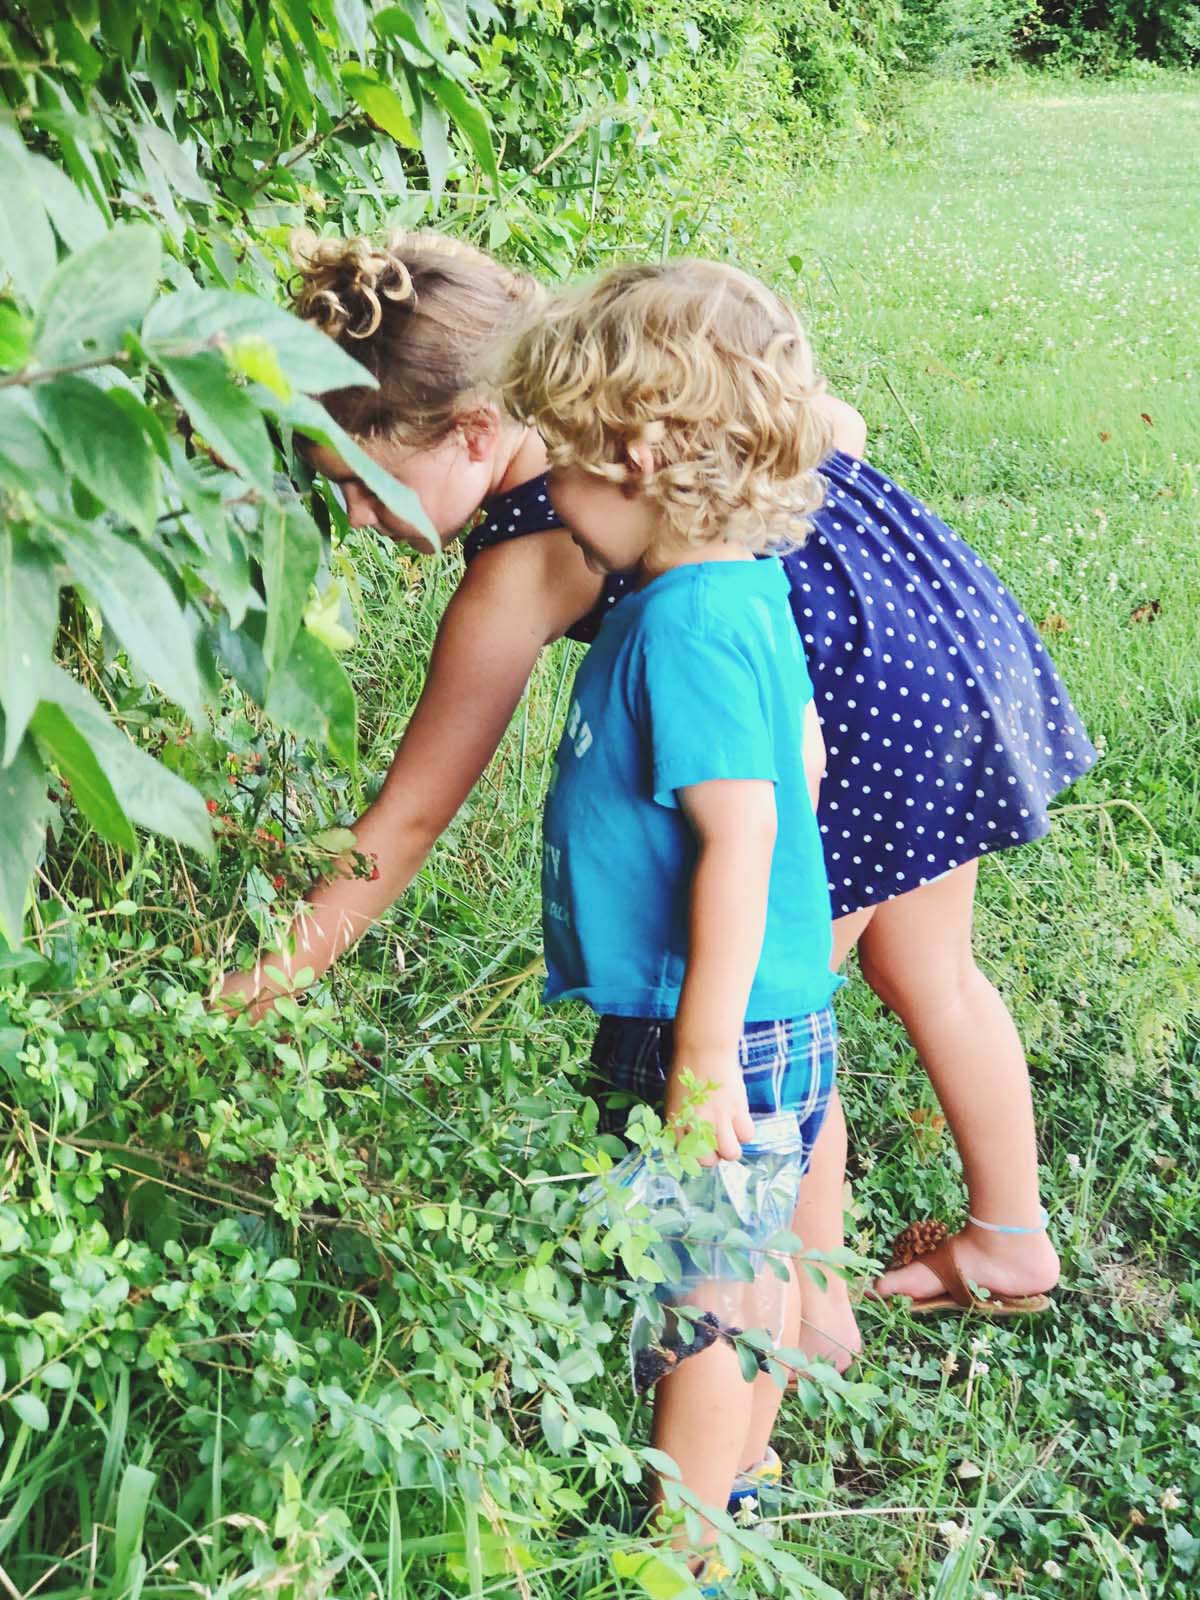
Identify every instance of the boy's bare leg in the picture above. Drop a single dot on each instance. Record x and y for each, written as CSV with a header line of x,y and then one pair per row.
x,y
701,1414
828,1330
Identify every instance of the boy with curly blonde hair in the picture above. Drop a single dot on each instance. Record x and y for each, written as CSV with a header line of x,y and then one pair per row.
x,y
684,889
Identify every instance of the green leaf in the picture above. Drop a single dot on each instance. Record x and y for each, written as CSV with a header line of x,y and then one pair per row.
x,y
97,295
25,807
652,1574
395,20
28,622
16,336
471,119
323,616
382,104
256,359
56,1376
133,1497
103,446
291,556
150,796
308,358
177,162
310,418
26,459
312,697
435,147
76,218
138,604
27,251
31,1411
352,22
225,415
63,744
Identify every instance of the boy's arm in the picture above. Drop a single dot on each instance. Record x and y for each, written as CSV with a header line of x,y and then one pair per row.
x,y
735,825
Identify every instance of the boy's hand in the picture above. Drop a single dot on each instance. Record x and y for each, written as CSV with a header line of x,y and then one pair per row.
x,y
725,1107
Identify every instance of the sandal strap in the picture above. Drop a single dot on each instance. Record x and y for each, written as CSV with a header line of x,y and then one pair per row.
x,y
942,1263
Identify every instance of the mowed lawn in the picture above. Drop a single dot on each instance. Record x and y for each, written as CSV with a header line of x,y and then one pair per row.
x,y
1011,296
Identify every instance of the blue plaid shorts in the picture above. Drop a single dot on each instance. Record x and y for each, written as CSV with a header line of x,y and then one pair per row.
x,y
788,1068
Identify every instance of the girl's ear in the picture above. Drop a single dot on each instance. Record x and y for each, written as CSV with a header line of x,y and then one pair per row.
x,y
479,429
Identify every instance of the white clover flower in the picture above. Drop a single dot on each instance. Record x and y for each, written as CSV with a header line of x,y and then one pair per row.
x,y
954,1533
1073,1162
1052,1569
1172,1500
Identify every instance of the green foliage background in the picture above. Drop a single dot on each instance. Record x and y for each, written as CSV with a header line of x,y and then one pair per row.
x,y
312,1313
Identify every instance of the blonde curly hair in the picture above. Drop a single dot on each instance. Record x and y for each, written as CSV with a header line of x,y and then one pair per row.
x,y
704,364
421,312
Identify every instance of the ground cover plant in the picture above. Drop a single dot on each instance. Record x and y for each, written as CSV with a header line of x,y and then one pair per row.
x,y
308,1310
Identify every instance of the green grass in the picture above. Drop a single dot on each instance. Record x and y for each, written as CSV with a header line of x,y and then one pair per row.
x,y
385,1368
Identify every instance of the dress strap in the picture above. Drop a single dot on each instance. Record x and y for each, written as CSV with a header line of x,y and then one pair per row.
x,y
525,509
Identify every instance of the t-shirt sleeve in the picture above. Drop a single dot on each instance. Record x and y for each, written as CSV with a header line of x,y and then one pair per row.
x,y
705,714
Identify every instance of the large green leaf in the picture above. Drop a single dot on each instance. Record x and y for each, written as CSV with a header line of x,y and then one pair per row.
x,y
224,414
28,619
382,104
148,794
435,147
103,446
25,807
76,219
471,119
26,459
312,697
26,239
290,557
138,604
97,295
63,744
311,419
395,22
309,359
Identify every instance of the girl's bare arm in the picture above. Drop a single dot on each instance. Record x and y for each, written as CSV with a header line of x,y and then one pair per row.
x,y
512,601
849,429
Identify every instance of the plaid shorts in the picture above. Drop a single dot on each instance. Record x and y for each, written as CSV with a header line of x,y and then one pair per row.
x,y
788,1068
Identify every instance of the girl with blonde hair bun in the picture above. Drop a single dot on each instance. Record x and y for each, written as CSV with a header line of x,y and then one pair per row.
x,y
947,729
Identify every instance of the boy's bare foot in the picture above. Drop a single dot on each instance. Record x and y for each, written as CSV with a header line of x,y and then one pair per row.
x,y
1007,1264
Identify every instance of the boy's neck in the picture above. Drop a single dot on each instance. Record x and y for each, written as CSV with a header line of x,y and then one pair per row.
x,y
666,556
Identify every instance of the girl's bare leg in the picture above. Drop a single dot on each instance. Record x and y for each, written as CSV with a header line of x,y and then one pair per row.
x,y
916,954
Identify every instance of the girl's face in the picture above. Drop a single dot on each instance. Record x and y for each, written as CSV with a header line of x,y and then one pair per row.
x,y
451,479
613,524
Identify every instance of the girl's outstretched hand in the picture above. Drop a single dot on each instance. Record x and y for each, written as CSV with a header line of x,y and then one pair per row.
x,y
724,1107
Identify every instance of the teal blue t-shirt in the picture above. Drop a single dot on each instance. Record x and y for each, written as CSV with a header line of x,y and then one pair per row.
x,y
698,676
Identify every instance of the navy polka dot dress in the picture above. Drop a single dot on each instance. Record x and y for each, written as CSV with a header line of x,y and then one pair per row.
x,y
947,728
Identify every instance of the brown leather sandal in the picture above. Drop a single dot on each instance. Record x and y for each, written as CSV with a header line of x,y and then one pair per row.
x,y
931,1243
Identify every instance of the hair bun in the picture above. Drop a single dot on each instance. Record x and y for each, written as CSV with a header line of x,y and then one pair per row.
x,y
345,281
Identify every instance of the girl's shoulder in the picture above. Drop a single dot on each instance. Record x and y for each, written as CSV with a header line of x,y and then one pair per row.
x,y
523,510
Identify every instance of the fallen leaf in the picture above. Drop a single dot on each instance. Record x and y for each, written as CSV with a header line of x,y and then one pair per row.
x,y
1105,437
968,1469
1054,624
1146,612
1146,418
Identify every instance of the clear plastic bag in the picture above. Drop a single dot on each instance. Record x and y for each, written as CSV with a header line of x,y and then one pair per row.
x,y
712,1229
